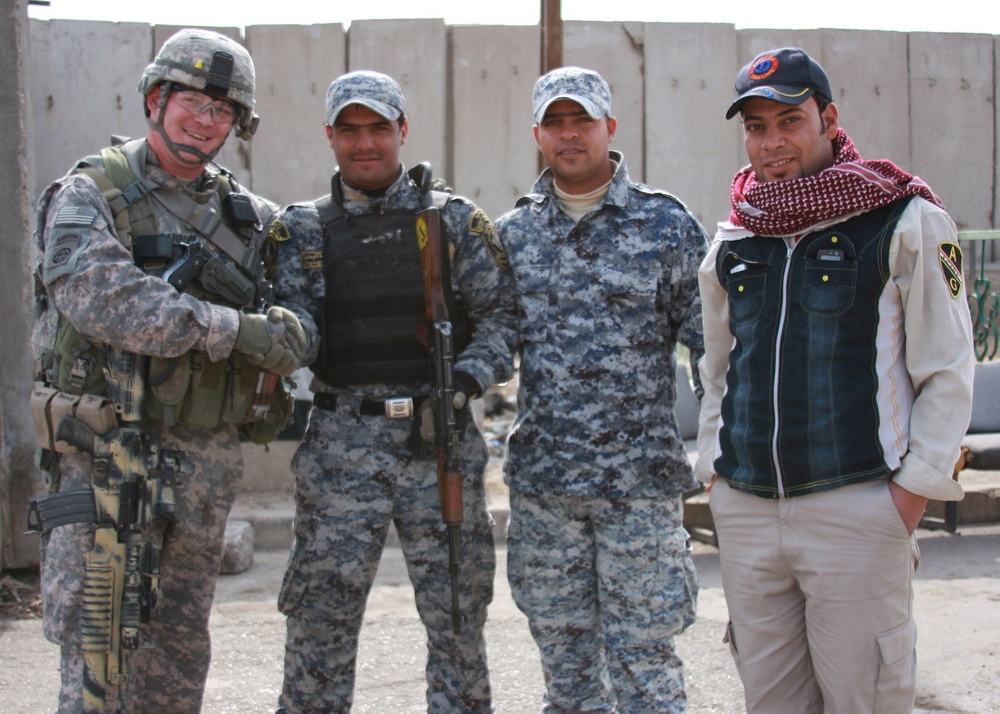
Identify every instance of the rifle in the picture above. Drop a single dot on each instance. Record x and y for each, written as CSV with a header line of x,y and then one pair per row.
x,y
131,499
447,435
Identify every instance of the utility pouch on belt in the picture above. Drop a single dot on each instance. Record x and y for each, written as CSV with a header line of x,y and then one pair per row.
x,y
50,406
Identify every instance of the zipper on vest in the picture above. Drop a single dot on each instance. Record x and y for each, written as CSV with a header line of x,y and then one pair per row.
x,y
786,276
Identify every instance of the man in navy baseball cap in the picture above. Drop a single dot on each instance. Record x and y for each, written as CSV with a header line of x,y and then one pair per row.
x,y
836,289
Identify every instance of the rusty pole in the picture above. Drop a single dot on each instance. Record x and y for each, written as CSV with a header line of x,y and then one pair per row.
x,y
552,35
552,44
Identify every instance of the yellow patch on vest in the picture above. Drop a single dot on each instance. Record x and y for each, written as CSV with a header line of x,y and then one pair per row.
x,y
311,259
423,232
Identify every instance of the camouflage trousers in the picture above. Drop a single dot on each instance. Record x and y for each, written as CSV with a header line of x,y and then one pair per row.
x,y
354,475
168,672
605,584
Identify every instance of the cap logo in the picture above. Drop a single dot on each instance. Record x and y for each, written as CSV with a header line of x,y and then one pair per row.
x,y
763,68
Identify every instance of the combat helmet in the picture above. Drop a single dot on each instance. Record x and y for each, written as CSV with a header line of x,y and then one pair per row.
x,y
211,63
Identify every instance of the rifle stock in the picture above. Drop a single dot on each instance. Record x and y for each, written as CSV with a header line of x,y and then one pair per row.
x,y
447,436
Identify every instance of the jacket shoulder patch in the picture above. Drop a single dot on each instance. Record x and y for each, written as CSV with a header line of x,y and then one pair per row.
x,y
950,255
481,225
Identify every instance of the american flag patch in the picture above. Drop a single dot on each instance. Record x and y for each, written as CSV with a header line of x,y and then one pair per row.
x,y
76,216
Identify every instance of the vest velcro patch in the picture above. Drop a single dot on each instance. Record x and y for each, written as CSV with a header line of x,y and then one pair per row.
x,y
311,259
76,216
950,255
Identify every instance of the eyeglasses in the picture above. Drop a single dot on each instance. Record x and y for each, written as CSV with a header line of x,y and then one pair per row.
x,y
197,103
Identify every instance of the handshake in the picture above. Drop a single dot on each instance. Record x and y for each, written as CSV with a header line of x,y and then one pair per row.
x,y
275,342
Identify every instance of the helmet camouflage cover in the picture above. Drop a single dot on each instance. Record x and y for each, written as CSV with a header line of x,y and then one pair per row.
x,y
211,63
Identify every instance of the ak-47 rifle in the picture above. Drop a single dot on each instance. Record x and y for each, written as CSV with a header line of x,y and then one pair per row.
x,y
131,500
447,435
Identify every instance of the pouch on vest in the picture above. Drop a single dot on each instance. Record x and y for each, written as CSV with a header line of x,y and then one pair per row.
x,y
169,381
81,367
273,409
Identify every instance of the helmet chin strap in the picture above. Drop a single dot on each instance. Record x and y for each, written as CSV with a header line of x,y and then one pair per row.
x,y
182,152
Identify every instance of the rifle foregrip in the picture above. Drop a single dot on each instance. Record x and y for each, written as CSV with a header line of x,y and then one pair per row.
x,y
98,609
450,493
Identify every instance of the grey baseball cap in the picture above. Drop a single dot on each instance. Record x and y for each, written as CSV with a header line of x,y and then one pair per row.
x,y
379,92
583,86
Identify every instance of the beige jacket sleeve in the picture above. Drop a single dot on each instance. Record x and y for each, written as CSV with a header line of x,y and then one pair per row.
x,y
715,362
939,355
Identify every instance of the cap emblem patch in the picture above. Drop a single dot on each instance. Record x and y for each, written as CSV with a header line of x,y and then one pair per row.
x,y
763,68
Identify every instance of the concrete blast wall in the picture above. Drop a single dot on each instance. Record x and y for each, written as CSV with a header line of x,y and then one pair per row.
x,y
924,100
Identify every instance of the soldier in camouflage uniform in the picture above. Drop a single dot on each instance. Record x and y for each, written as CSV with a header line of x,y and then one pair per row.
x,y
100,284
350,269
605,277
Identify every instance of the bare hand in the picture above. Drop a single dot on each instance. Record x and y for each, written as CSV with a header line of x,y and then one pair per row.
x,y
911,507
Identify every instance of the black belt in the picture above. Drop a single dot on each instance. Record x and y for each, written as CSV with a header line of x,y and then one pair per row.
x,y
398,408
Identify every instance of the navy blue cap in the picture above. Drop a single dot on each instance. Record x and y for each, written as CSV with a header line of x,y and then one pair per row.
x,y
788,75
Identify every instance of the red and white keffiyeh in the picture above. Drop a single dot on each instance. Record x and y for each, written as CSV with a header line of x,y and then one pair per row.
x,y
850,186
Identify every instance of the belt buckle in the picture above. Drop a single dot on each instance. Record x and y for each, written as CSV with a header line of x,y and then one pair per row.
x,y
400,408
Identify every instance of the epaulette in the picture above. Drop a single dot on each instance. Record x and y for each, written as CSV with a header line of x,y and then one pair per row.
x,y
537,198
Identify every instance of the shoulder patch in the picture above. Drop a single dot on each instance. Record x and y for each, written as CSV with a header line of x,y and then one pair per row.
x,y
75,216
63,246
950,255
481,225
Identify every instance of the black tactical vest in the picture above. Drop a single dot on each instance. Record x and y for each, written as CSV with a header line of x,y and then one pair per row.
x,y
373,324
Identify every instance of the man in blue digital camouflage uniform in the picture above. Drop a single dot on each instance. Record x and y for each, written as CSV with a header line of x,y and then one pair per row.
x,y
349,268
111,236
605,278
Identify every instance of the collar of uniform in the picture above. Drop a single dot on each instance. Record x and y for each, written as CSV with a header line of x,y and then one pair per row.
x,y
399,195
617,191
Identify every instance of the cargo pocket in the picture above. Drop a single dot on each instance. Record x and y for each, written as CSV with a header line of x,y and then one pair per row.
x,y
296,581
897,673
681,582
729,638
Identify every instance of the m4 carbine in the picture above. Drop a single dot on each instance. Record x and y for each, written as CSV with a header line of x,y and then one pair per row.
x,y
131,500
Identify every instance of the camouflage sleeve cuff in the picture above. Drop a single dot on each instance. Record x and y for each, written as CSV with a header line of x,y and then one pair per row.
x,y
473,369
222,332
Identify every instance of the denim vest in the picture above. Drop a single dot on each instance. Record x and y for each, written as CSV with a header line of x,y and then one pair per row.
x,y
799,413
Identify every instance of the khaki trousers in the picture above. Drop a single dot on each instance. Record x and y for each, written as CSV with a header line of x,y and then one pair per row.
x,y
819,590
